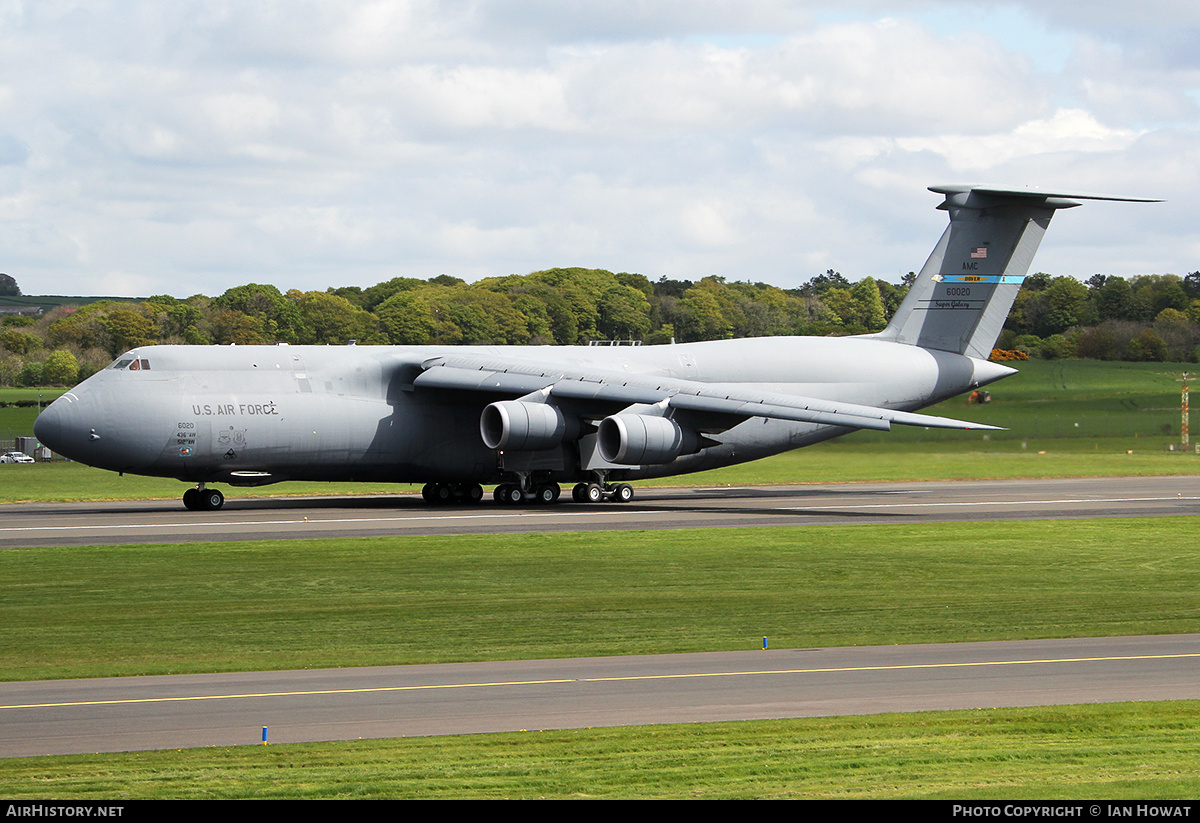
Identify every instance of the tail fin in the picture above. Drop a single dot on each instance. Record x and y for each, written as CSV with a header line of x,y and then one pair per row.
x,y
962,296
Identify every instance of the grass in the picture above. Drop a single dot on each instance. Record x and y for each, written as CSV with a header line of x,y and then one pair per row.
x,y
169,609
1132,750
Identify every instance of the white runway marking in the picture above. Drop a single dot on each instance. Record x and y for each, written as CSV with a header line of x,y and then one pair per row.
x,y
832,506
208,524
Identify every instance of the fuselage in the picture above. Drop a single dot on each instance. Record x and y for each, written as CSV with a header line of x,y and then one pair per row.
x,y
258,414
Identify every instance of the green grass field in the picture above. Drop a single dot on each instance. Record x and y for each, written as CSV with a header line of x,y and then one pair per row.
x,y
169,609
1142,751
84,611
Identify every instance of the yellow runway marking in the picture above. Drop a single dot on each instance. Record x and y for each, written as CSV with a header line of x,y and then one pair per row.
x,y
495,684
903,666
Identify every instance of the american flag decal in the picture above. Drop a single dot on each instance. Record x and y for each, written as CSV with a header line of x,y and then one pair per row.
x,y
979,253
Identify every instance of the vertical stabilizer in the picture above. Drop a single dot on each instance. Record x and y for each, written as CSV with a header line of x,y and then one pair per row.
x,y
962,296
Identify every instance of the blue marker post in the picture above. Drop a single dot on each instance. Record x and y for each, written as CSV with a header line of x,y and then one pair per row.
x,y
764,643
264,735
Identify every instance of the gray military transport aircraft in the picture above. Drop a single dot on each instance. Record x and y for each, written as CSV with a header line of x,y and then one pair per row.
x,y
531,417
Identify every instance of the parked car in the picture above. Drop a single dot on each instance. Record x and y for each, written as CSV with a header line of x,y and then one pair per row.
x,y
15,457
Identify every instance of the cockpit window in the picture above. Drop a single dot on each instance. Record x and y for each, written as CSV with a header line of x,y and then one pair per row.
x,y
132,365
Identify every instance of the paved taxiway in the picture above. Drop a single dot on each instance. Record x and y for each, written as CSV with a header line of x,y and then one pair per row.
x,y
55,524
126,714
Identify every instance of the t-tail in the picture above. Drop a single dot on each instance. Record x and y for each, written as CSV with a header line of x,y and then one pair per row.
x,y
962,296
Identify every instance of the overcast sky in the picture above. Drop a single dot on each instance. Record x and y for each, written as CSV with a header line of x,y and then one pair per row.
x,y
151,147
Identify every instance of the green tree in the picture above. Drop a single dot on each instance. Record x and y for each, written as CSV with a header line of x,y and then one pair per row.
x,y
329,319
61,368
19,342
624,313
868,309
279,319
127,329
31,374
698,317
1065,303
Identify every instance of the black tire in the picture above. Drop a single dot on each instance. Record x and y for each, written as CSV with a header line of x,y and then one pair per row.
x,y
212,499
623,493
593,493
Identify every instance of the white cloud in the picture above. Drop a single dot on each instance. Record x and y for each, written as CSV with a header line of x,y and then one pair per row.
x,y
194,147
1068,130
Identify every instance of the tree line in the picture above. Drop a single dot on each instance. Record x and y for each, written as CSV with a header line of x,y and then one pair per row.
x,y
1152,317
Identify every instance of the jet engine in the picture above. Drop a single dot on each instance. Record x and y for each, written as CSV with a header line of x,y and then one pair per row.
x,y
519,426
639,439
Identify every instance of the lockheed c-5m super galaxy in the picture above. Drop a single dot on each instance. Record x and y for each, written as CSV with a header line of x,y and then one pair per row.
x,y
531,418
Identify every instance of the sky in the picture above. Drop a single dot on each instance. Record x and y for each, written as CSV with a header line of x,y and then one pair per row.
x,y
192,146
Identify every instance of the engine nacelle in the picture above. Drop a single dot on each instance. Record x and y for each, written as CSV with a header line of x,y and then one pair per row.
x,y
519,426
640,439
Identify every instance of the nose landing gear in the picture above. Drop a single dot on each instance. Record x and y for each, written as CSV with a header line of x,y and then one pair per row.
x,y
201,499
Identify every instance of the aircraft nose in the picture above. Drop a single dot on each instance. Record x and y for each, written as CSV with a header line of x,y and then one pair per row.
x,y
88,424
65,427
50,428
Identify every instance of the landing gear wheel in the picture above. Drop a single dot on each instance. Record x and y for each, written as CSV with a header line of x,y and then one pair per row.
x,y
578,494
622,493
592,493
510,494
547,493
211,500
474,493
191,500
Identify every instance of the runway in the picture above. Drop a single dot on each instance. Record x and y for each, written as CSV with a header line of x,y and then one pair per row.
x,y
129,714
59,524
125,714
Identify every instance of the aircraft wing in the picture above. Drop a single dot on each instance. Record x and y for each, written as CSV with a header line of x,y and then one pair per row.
x,y
601,393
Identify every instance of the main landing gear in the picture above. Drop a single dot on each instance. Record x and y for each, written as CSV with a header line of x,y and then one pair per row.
x,y
595,492
524,491
201,499
513,494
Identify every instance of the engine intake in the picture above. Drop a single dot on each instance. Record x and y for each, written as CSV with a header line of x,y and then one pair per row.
x,y
639,439
519,426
